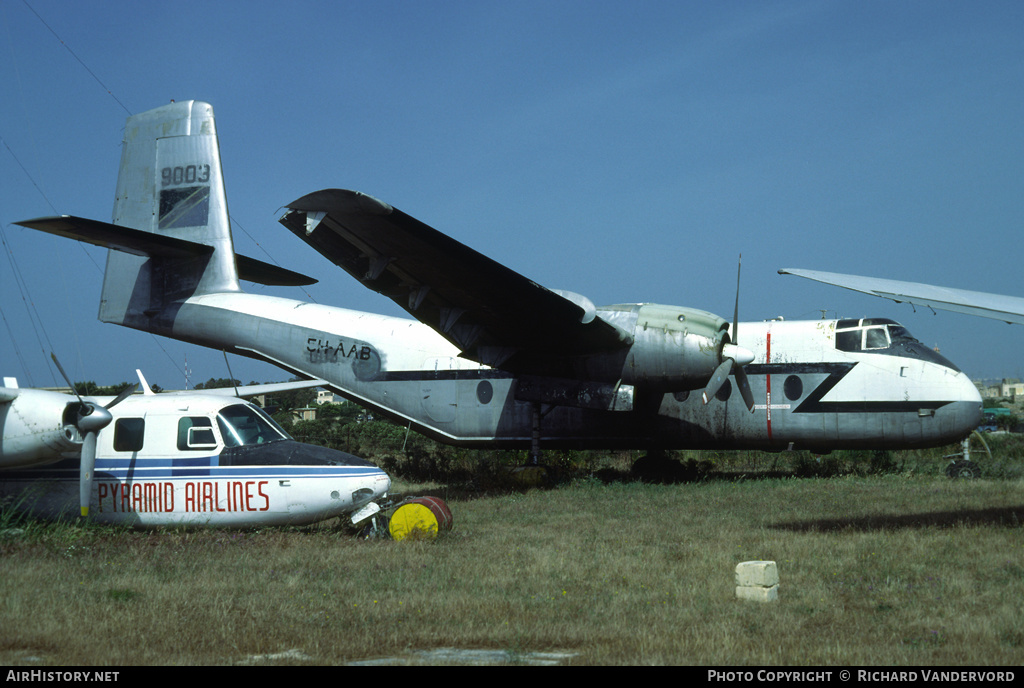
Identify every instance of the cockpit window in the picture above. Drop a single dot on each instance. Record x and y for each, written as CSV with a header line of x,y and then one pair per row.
x,y
869,333
848,340
246,425
899,332
884,336
875,338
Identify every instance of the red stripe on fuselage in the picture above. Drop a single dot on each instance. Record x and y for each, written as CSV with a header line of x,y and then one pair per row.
x,y
768,384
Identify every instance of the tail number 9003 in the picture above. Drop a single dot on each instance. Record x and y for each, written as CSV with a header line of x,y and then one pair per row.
x,y
189,174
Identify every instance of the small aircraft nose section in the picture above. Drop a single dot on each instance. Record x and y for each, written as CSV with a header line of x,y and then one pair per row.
x,y
319,482
370,482
288,453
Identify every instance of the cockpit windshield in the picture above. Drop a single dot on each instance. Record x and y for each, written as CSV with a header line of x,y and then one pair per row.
x,y
884,336
869,333
246,425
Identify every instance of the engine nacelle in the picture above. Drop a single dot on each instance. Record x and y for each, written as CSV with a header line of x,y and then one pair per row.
x,y
674,348
35,429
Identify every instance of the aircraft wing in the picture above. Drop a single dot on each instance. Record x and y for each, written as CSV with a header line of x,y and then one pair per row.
x,y
492,314
255,390
996,306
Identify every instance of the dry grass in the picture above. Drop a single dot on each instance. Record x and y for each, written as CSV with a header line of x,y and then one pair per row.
x,y
890,570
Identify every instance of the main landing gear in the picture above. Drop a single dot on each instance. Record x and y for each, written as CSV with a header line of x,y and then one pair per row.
x,y
534,473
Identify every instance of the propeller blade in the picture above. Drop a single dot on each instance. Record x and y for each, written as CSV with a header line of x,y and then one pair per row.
x,y
125,393
85,472
718,379
744,386
734,357
736,310
65,376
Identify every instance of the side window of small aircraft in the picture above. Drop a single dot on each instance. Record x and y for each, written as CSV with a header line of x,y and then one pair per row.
x,y
129,434
196,433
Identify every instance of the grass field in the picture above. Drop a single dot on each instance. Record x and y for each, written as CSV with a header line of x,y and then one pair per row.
x,y
904,567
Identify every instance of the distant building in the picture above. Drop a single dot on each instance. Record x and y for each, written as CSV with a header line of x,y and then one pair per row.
x,y
1008,388
308,413
1012,389
326,396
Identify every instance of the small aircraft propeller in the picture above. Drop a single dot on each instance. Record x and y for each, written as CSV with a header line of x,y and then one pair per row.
x,y
91,419
734,357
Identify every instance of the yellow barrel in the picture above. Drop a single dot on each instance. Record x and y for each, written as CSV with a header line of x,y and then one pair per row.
x,y
420,518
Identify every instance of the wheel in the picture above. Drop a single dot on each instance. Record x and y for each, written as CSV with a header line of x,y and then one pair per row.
x,y
373,528
964,469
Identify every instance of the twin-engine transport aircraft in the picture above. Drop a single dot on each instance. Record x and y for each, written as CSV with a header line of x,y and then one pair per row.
x,y
177,458
496,359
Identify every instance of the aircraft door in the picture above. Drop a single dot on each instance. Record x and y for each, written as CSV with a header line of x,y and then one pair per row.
x,y
439,400
438,393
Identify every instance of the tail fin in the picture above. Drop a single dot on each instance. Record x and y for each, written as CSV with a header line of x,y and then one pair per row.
x,y
170,184
171,232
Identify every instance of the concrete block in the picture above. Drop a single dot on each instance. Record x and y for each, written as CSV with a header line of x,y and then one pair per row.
x,y
762,574
757,593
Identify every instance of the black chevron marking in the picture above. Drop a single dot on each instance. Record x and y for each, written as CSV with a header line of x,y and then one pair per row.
x,y
835,373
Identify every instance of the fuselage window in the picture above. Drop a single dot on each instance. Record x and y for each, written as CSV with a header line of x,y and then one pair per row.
x,y
793,387
129,434
195,433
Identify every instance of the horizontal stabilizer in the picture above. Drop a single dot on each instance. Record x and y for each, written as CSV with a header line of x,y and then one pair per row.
x,y
141,243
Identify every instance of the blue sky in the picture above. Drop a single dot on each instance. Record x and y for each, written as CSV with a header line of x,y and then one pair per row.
x,y
627,151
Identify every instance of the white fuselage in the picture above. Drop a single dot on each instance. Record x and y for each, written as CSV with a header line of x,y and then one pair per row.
x,y
808,392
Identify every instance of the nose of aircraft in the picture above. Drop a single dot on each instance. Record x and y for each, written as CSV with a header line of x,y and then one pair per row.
x,y
965,413
382,485
289,453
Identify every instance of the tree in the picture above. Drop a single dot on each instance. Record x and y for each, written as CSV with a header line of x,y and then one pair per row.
x,y
219,383
90,389
1007,421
